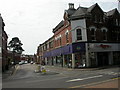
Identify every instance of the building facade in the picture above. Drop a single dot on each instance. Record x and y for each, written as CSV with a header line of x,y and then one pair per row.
x,y
4,38
87,37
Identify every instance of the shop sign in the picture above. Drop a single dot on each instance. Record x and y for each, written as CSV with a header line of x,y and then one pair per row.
x,y
103,46
78,47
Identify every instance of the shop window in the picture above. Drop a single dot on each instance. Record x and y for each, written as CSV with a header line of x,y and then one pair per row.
x,y
79,34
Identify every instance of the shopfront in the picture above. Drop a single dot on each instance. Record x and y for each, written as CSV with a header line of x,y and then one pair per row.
x,y
104,54
64,57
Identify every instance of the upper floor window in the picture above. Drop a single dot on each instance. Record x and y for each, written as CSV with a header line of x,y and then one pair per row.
x,y
79,34
104,30
93,33
67,38
116,22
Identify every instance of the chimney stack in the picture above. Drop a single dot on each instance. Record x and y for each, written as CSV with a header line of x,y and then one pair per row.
x,y
71,5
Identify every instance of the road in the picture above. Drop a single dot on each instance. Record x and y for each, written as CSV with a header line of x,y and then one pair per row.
x,y
56,77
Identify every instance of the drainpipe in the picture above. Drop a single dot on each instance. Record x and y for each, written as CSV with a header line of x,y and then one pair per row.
x,y
87,56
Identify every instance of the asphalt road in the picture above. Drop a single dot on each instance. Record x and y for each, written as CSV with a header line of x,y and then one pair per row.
x,y
25,77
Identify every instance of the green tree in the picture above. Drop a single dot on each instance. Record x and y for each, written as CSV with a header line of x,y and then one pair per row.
x,y
15,46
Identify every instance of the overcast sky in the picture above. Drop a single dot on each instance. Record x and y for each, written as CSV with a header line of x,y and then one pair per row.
x,y
32,21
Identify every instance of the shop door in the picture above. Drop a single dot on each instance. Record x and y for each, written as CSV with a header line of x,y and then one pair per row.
x,y
102,58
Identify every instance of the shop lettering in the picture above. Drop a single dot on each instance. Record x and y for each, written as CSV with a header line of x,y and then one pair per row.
x,y
103,46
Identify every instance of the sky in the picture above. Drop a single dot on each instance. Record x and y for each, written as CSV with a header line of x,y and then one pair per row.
x,y
32,21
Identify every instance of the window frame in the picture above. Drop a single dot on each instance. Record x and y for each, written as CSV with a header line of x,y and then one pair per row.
x,y
78,35
93,36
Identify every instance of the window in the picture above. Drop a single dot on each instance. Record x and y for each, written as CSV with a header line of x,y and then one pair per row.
x,y
104,34
79,34
67,39
93,33
95,18
104,31
67,36
116,21
60,41
100,19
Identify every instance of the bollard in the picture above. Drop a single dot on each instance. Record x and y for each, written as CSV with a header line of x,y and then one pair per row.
x,y
43,70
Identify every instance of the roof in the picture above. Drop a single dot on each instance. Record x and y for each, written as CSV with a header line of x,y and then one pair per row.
x,y
80,11
70,11
92,7
58,26
111,12
84,12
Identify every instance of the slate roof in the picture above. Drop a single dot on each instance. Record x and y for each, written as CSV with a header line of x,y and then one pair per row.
x,y
58,26
111,12
83,11
70,11
92,7
80,11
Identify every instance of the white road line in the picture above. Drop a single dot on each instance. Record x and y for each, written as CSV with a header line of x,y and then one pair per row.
x,y
79,79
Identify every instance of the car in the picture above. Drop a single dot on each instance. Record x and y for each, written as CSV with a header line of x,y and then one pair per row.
x,y
20,63
31,62
26,62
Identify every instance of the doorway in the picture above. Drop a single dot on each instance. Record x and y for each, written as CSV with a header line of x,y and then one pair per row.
x,y
102,58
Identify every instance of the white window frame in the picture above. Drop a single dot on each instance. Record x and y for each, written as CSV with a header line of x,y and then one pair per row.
x,y
80,35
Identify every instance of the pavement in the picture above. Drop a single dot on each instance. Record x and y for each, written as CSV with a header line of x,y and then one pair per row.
x,y
9,72
112,83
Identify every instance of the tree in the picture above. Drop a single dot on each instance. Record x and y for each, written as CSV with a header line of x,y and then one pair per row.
x,y
15,46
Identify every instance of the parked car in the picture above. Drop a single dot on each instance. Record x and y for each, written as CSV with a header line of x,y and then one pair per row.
x,y
26,62
31,62
21,62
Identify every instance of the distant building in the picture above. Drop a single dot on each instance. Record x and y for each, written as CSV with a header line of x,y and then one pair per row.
x,y
87,37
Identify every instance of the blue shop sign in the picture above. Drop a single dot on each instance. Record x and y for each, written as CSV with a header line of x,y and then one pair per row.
x,y
78,47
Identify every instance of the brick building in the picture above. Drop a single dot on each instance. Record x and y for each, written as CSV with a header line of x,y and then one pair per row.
x,y
4,38
86,37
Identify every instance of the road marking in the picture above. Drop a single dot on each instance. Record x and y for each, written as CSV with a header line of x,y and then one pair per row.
x,y
95,83
79,79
